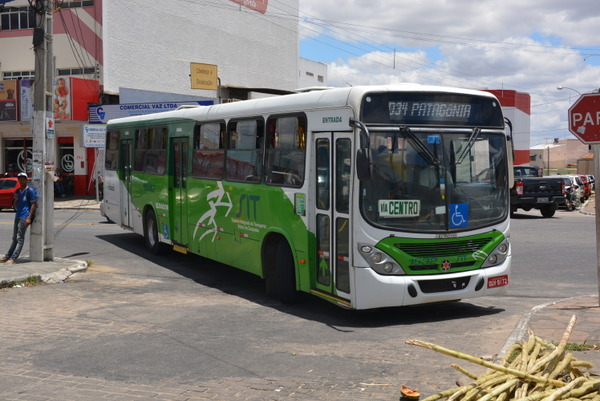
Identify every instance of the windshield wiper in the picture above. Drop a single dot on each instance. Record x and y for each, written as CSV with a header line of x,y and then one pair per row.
x,y
472,139
429,156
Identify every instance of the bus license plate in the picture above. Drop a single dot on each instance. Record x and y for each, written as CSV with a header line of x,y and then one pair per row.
x,y
497,281
542,200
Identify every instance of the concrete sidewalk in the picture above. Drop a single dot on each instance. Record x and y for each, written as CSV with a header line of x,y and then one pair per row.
x,y
77,203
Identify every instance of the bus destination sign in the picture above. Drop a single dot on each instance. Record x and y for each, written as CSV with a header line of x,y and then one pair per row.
x,y
431,108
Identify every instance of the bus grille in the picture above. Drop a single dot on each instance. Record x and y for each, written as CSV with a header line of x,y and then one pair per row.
x,y
451,248
445,285
436,266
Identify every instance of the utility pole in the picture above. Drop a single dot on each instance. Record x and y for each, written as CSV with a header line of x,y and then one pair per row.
x,y
42,130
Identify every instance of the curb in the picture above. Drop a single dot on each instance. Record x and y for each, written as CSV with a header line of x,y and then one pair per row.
x,y
519,333
57,276
64,273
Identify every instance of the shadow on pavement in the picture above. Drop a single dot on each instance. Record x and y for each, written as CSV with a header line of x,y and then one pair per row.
x,y
251,287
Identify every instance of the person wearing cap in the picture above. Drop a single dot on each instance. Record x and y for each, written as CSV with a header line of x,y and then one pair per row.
x,y
24,204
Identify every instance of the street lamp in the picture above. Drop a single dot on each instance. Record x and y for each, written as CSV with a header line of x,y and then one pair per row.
x,y
566,87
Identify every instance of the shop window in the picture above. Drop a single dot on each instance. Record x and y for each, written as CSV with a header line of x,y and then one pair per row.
x,y
17,156
66,163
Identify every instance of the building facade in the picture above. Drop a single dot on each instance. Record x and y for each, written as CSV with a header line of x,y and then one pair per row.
x,y
559,154
516,107
147,55
311,74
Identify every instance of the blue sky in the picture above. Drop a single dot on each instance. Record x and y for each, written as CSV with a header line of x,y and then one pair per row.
x,y
532,47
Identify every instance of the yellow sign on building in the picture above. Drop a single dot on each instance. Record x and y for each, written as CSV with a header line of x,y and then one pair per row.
x,y
204,76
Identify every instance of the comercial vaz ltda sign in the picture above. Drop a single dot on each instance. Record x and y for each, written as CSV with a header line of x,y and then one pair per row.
x,y
101,113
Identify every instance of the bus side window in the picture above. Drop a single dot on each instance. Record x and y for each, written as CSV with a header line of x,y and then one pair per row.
x,y
140,149
244,150
111,155
151,158
209,151
286,151
160,148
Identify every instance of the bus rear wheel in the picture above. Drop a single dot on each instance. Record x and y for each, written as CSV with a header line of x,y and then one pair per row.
x,y
285,273
151,233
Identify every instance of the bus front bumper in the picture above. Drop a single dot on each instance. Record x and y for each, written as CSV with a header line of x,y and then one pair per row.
x,y
377,291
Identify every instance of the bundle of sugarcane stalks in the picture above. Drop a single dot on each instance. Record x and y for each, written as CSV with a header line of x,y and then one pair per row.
x,y
535,370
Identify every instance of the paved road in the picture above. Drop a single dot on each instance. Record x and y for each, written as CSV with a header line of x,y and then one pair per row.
x,y
175,327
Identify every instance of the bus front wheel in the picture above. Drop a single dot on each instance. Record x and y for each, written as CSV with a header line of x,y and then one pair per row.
x,y
285,273
151,233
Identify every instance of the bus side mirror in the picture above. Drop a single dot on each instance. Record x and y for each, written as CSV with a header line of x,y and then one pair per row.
x,y
363,164
508,129
363,153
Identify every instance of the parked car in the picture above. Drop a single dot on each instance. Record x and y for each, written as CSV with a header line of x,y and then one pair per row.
x,y
573,193
586,185
581,187
8,186
592,181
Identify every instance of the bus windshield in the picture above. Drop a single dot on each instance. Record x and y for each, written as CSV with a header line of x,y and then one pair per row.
x,y
436,180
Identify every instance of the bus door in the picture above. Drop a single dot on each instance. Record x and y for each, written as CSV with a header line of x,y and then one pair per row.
x,y
178,193
125,201
333,168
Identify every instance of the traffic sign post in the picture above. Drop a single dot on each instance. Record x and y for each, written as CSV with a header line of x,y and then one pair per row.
x,y
596,150
584,123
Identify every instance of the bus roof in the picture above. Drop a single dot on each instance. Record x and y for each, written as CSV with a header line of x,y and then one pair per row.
x,y
327,98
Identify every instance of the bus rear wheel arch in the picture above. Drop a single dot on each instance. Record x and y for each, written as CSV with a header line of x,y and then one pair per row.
x,y
279,269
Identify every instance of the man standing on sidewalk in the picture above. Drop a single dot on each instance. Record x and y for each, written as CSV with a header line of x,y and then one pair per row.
x,y
24,204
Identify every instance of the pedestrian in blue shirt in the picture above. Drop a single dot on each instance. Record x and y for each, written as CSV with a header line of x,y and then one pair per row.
x,y
24,204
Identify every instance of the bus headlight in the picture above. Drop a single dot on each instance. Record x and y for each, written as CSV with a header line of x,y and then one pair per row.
x,y
379,261
498,256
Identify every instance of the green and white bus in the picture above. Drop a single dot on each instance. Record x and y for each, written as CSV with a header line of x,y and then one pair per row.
x,y
367,197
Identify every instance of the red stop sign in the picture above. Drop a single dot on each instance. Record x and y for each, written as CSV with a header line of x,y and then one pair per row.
x,y
584,118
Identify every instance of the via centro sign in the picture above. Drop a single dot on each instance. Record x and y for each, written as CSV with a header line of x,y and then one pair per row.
x,y
584,118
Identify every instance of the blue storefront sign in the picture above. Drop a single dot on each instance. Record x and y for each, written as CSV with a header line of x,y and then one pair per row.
x,y
101,113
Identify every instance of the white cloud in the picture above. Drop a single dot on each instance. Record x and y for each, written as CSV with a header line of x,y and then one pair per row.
x,y
530,46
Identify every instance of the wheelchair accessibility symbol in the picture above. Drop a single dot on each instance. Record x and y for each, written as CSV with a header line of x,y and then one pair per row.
x,y
459,215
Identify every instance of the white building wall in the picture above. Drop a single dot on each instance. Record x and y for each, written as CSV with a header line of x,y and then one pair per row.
x,y
149,45
521,122
311,74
